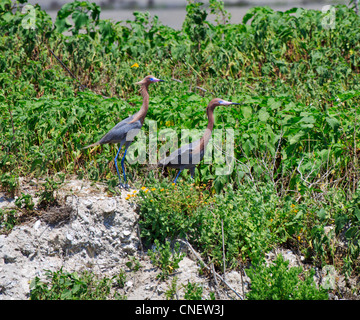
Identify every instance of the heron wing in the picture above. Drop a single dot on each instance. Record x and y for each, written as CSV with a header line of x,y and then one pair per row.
x,y
123,131
186,156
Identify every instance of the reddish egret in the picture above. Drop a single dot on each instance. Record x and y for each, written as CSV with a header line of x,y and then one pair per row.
x,y
125,131
188,156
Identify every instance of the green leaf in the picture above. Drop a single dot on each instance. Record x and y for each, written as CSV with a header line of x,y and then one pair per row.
x,y
246,111
62,25
263,115
333,122
322,214
273,104
296,138
357,213
80,18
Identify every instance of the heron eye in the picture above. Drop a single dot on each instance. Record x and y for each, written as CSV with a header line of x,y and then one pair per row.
x,y
151,79
221,101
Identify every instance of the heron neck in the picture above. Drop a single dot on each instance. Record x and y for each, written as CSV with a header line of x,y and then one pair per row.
x,y
145,105
207,134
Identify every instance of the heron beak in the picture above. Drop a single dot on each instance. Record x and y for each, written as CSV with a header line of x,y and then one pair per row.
x,y
157,80
228,103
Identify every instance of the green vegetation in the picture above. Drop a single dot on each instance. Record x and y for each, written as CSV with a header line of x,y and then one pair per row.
x,y
296,173
62,285
166,259
278,282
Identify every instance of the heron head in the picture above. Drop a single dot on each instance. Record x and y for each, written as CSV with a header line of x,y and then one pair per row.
x,y
149,79
221,102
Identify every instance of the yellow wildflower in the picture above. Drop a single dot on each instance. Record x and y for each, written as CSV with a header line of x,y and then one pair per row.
x,y
153,189
135,65
292,206
162,189
143,188
146,190
134,191
173,184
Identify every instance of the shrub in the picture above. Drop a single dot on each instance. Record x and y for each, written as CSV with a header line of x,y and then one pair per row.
x,y
279,282
63,285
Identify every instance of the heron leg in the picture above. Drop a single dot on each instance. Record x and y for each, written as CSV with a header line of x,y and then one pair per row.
x,y
116,166
177,176
123,168
192,172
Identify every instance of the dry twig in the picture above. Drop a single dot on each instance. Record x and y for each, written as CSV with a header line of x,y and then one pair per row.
x,y
208,268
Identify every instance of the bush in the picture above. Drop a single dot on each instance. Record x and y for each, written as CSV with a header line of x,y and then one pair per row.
x,y
63,285
278,282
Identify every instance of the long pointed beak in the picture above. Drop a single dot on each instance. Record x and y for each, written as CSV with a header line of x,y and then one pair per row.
x,y
228,103
157,80
235,103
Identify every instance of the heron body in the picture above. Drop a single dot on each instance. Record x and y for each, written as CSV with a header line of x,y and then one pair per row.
x,y
190,155
125,131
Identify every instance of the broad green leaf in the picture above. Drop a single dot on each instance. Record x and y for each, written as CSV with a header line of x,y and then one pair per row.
x,y
296,138
80,19
246,111
333,122
263,115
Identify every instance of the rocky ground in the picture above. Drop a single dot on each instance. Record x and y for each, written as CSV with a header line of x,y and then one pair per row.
x,y
90,230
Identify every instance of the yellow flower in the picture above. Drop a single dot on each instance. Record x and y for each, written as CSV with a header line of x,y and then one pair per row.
x,y
146,190
292,206
299,238
127,198
173,184
135,65
143,188
153,189
151,200
162,189
134,191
